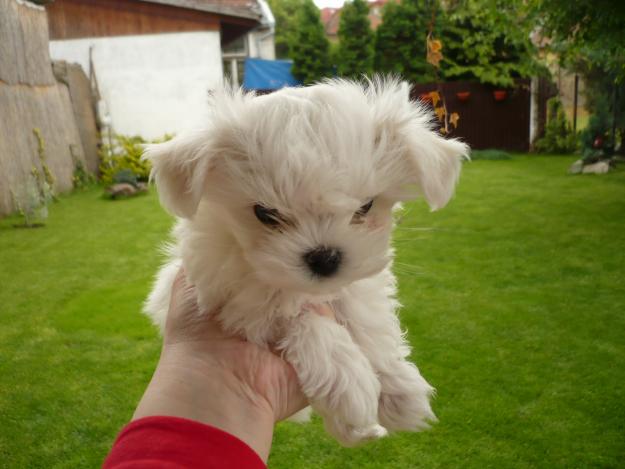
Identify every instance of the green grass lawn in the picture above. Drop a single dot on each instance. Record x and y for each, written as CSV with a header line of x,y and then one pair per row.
x,y
514,300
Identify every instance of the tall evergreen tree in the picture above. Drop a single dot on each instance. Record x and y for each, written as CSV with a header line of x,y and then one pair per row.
x,y
355,40
285,13
310,50
400,41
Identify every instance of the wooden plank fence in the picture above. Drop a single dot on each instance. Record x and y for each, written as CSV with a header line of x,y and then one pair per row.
x,y
486,122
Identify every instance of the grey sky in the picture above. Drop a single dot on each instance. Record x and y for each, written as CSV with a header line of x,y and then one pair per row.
x,y
328,3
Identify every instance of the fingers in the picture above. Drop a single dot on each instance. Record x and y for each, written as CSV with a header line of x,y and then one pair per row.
x,y
184,320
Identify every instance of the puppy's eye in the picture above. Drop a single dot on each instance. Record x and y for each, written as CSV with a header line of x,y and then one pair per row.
x,y
362,211
267,216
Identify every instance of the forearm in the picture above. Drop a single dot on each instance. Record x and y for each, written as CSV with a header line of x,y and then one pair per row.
x,y
193,388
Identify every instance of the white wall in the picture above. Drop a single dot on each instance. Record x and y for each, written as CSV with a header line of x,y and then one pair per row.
x,y
152,84
261,44
262,40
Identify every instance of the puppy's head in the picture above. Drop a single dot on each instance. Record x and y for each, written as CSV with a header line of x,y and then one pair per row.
x,y
305,179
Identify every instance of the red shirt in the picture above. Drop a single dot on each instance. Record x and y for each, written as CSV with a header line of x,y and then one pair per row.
x,y
172,442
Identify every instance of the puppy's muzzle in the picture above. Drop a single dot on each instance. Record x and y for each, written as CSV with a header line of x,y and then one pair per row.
x,y
323,261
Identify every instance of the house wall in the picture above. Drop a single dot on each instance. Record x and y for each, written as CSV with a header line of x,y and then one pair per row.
x,y
73,19
152,84
261,44
154,63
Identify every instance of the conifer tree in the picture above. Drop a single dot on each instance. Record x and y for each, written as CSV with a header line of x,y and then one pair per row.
x,y
285,13
310,50
400,41
355,40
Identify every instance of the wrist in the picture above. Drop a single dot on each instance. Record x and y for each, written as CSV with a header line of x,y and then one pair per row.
x,y
194,386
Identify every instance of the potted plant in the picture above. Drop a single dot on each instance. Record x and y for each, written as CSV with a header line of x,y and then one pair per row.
x,y
500,95
426,98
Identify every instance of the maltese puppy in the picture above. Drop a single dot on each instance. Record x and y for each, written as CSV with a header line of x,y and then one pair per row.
x,y
286,200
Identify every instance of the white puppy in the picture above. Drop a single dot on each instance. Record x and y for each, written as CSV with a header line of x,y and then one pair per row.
x,y
286,200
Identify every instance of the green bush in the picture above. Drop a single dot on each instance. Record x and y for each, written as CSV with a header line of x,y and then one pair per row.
x,y
123,156
488,41
81,178
490,154
559,136
32,199
598,128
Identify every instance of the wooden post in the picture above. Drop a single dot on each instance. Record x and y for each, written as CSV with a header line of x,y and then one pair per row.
x,y
575,103
614,117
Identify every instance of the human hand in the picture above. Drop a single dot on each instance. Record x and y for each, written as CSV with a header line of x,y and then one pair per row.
x,y
256,374
205,375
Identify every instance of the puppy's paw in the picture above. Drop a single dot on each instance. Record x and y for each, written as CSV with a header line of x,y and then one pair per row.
x,y
405,401
349,436
372,432
350,412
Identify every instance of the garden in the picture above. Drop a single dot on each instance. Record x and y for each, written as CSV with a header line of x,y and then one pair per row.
x,y
513,295
513,300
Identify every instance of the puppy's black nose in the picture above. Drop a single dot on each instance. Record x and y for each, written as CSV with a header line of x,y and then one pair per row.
x,y
323,261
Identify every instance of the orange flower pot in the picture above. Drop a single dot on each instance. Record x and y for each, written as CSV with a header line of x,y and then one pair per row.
x,y
500,95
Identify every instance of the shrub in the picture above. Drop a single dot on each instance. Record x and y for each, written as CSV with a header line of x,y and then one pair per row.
x,y
32,199
81,178
559,136
123,157
597,133
47,176
490,154
488,41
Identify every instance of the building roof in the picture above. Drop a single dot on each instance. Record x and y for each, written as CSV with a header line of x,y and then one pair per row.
x,y
326,13
331,17
248,9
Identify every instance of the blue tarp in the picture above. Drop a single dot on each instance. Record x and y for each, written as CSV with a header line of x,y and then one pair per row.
x,y
268,74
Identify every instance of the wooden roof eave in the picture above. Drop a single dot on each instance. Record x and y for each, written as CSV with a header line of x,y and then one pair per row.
x,y
219,9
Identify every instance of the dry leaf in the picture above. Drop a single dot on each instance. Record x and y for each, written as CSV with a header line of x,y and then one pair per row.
x,y
435,97
453,119
440,113
434,58
434,55
443,130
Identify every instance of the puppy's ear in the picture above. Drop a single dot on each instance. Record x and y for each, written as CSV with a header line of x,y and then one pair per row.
x,y
436,164
181,168
404,131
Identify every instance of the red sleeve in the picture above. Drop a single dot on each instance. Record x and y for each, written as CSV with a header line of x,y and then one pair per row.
x,y
172,442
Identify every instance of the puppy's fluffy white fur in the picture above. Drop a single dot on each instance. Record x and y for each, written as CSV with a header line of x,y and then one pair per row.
x,y
316,155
